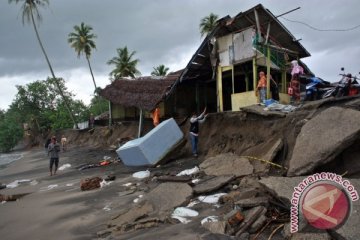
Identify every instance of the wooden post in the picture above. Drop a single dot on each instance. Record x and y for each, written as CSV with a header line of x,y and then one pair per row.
x,y
283,81
140,123
268,64
267,33
110,114
232,79
219,93
254,74
258,26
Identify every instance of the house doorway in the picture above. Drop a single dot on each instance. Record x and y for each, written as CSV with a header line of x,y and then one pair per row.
x,y
226,89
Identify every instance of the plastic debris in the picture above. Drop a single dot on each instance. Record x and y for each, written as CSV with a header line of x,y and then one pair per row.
x,y
193,203
210,219
182,213
64,166
138,198
16,183
106,158
213,199
189,171
52,186
107,207
34,182
194,181
142,174
104,183
127,184
70,184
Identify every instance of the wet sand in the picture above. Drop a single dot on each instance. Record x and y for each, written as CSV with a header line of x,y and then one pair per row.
x,y
63,212
56,208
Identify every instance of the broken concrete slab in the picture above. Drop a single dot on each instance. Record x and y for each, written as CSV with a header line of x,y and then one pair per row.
x,y
174,178
329,133
167,196
212,184
154,207
269,150
281,187
131,215
227,164
235,196
215,227
253,202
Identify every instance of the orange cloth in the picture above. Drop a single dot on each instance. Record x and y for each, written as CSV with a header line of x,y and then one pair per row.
x,y
262,82
156,116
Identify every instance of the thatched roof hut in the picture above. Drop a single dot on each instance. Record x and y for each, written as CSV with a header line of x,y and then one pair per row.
x,y
142,92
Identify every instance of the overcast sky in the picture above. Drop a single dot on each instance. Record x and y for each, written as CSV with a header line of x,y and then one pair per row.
x,y
161,32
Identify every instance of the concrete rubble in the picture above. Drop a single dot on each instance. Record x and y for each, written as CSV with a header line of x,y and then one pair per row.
x,y
236,197
326,138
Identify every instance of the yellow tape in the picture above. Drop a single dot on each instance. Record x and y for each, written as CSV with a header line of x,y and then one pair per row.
x,y
265,161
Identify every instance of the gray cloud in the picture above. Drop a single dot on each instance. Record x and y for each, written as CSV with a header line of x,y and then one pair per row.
x,y
161,32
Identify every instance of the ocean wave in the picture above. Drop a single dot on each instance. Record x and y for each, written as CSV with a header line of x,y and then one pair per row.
x,y
6,158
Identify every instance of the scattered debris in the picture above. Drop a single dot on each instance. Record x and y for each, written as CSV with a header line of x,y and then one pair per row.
x,y
17,182
212,199
52,186
182,213
142,174
190,171
90,183
64,166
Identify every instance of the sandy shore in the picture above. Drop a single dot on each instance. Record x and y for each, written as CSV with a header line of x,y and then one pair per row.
x,y
55,207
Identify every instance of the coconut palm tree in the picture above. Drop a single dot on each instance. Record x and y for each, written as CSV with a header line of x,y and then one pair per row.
x,y
208,23
160,70
82,40
125,66
29,9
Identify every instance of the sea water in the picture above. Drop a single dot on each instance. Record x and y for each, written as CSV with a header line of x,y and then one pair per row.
x,y
6,158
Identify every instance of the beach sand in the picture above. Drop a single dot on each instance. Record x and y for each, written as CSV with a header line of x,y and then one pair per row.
x,y
55,207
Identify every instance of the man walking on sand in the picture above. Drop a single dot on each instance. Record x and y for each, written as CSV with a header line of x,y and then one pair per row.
x,y
53,150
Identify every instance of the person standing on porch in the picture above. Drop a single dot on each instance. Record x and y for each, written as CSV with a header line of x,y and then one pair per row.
x,y
261,87
194,130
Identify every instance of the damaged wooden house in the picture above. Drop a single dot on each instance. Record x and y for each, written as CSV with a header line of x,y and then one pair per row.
x,y
222,74
224,69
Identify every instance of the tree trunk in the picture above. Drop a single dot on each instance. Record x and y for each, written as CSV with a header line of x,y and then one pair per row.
x,y
52,72
96,94
92,75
